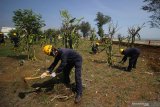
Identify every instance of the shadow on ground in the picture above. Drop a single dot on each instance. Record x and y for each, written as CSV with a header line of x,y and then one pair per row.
x,y
119,67
47,86
18,57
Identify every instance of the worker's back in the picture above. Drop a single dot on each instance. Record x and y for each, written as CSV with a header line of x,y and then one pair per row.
x,y
131,52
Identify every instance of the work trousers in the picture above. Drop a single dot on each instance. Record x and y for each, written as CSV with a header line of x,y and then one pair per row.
x,y
132,62
78,68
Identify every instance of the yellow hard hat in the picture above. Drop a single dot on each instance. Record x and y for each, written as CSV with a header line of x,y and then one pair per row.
x,y
121,50
97,43
47,49
14,34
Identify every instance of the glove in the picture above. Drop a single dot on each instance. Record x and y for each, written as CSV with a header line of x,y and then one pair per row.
x,y
44,74
53,74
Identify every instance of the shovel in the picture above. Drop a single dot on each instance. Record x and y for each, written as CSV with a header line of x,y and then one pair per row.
x,y
37,77
32,78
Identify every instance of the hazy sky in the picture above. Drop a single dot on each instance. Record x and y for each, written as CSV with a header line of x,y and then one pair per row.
x,y
126,13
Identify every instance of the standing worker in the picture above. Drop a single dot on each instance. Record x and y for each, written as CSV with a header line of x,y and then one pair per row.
x,y
15,40
69,59
2,38
133,54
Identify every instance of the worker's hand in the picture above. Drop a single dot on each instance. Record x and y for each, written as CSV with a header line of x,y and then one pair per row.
x,y
44,74
53,74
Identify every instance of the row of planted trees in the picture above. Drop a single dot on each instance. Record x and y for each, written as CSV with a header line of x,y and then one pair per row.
x,y
28,27
28,30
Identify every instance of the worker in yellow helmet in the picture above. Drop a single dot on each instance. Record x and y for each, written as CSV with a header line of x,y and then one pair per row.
x,y
69,59
95,48
47,49
121,50
15,39
97,44
14,34
133,54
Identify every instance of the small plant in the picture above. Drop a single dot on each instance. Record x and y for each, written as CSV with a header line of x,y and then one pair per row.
x,y
93,36
69,30
120,40
133,33
112,29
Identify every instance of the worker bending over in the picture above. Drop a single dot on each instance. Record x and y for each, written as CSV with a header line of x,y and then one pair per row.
x,y
95,48
133,54
69,59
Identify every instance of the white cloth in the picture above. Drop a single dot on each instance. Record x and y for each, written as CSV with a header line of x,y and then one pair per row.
x,y
53,74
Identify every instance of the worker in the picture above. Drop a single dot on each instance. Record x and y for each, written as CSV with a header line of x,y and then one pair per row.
x,y
2,38
95,48
15,39
69,59
133,54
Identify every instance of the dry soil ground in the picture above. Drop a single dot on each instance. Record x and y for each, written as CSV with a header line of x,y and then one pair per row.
x,y
104,86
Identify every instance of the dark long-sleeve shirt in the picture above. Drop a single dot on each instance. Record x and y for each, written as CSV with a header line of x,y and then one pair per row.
x,y
130,52
67,56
